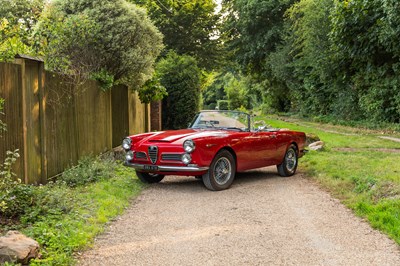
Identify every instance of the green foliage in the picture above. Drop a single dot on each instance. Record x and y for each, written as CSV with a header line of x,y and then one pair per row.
x,y
181,77
187,27
235,92
238,90
370,61
17,20
13,195
51,200
65,219
113,41
213,92
254,31
223,105
88,170
105,79
312,89
320,57
152,91
2,124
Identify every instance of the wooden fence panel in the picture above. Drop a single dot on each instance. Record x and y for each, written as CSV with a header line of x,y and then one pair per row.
x,y
62,150
93,114
53,129
11,91
137,114
31,106
120,114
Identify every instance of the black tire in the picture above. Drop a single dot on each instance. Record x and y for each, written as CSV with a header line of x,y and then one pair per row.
x,y
289,165
149,178
221,173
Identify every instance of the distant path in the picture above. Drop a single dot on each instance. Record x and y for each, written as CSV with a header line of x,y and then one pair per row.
x,y
390,138
263,219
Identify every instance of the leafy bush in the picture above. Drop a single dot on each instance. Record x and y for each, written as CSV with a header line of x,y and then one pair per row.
x,y
88,170
112,40
180,75
14,196
49,200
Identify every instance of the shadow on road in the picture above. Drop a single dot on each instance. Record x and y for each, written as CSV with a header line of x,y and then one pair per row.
x,y
193,185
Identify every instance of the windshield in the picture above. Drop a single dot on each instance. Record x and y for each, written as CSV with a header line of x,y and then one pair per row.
x,y
231,120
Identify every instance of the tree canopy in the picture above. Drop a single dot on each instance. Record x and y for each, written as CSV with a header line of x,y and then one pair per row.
x,y
332,58
110,40
189,27
320,57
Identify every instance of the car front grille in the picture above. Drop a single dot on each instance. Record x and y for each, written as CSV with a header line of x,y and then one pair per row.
x,y
153,152
171,157
141,155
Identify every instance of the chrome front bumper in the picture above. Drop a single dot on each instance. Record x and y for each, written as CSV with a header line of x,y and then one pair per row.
x,y
165,168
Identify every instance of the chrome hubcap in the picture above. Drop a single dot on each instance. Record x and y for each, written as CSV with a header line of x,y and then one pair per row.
x,y
291,160
222,170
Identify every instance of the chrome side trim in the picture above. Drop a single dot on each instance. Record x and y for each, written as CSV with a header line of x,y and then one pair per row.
x,y
163,168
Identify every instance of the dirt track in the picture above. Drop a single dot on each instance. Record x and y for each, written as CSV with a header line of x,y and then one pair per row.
x,y
263,219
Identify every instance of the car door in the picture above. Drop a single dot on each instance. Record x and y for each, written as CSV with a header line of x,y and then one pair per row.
x,y
254,149
267,143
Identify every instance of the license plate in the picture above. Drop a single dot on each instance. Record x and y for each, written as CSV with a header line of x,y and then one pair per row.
x,y
150,167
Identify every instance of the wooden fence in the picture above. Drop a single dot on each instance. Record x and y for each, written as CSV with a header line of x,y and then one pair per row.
x,y
51,129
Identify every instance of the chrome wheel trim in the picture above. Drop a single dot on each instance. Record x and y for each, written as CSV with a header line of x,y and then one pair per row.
x,y
291,160
222,171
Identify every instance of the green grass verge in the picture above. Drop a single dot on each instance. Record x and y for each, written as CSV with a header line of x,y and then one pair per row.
x,y
71,225
365,177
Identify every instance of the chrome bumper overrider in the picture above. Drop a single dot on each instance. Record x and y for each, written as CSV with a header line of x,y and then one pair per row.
x,y
164,168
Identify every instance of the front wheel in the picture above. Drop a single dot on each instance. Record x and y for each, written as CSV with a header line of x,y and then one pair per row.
x,y
289,165
149,178
221,173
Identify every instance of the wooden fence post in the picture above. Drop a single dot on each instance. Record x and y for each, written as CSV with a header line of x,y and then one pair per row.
x,y
21,62
42,119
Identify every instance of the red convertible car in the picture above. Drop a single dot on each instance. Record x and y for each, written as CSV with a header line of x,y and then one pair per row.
x,y
216,145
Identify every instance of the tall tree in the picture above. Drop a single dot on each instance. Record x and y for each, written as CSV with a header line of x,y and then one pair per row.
x,y
366,44
254,31
311,62
189,27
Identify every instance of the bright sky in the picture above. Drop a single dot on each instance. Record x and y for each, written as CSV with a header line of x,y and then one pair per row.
x,y
218,5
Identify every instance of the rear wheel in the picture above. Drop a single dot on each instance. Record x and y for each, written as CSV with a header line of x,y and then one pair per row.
x,y
149,178
221,173
289,165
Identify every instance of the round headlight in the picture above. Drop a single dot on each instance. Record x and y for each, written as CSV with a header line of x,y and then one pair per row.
x,y
126,144
186,158
189,146
129,156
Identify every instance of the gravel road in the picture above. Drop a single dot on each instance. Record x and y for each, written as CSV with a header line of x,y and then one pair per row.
x,y
263,219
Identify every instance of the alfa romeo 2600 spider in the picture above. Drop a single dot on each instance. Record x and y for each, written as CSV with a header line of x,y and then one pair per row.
x,y
216,145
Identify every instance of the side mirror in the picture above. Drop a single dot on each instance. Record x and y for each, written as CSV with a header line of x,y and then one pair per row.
x,y
259,125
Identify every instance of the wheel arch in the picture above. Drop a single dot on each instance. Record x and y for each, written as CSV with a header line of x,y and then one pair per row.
x,y
231,151
295,144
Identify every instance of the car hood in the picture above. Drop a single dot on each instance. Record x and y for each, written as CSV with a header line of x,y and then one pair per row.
x,y
180,136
